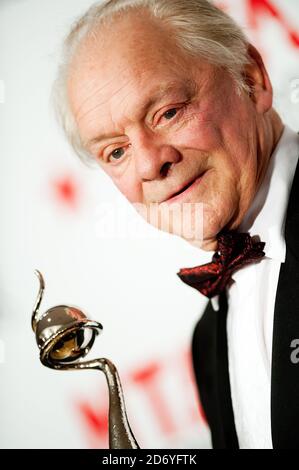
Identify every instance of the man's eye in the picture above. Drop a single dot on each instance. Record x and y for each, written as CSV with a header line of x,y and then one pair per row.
x,y
117,154
170,113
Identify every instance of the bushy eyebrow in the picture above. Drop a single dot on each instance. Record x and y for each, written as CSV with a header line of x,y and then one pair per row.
x,y
189,87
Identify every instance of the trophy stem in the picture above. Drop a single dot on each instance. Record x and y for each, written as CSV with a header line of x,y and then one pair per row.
x,y
120,433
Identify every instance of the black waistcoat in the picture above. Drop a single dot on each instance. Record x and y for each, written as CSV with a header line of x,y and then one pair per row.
x,y
210,360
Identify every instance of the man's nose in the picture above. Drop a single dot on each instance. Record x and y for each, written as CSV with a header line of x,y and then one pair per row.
x,y
154,160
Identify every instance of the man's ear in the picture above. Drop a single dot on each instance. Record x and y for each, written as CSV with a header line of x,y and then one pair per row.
x,y
257,78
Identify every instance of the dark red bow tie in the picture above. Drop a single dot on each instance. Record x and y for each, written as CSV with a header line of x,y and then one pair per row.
x,y
235,250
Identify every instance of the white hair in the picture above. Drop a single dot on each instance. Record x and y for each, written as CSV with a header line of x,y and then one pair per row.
x,y
199,28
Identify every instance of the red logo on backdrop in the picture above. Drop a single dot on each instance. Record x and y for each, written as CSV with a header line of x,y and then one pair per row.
x,y
262,8
66,191
148,380
257,10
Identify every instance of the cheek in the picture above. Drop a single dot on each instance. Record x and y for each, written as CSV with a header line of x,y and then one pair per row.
x,y
200,132
226,140
222,124
128,185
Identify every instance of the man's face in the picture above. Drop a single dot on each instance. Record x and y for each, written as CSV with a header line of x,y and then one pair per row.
x,y
167,128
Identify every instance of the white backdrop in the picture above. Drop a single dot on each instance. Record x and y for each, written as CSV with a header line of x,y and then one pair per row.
x,y
56,215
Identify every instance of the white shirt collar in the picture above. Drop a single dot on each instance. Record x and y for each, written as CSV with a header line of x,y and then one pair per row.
x,y
266,215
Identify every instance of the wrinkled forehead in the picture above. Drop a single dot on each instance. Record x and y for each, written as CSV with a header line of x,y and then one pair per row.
x,y
124,49
120,66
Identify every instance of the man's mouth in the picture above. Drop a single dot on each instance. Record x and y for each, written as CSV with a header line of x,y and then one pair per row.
x,y
184,190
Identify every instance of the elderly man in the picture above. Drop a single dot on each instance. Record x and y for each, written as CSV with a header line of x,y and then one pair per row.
x,y
175,105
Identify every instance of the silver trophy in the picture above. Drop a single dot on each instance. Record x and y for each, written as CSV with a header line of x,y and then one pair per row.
x,y
64,336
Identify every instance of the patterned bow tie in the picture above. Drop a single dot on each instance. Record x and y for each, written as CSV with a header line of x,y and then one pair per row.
x,y
235,250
